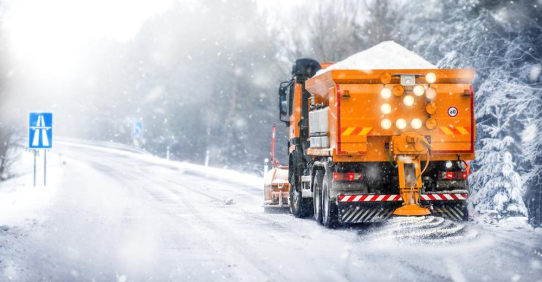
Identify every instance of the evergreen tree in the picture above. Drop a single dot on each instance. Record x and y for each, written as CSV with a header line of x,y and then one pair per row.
x,y
501,41
501,188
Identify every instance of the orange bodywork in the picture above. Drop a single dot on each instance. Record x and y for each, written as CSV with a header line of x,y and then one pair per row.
x,y
404,126
294,122
354,117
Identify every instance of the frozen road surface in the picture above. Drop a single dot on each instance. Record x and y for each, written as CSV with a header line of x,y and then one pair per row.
x,y
112,215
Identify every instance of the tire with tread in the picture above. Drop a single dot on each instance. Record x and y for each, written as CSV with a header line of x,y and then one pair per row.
x,y
330,211
300,207
465,210
317,199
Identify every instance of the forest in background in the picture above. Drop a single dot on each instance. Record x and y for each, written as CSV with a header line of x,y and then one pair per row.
x,y
203,77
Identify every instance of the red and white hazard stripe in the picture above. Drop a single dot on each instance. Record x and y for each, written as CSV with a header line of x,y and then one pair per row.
x,y
443,197
369,198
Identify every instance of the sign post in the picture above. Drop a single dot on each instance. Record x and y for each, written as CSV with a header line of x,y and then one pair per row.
x,y
40,136
44,167
137,129
35,154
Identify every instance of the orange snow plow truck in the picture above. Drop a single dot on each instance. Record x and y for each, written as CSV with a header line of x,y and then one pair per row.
x,y
366,145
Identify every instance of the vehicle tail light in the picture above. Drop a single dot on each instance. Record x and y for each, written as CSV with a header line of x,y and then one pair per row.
x,y
347,176
452,175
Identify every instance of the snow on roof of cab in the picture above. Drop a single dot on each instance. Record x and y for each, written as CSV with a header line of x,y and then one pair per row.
x,y
386,55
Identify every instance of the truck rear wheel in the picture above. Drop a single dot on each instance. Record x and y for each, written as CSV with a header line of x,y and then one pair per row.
x,y
465,210
330,214
317,198
300,207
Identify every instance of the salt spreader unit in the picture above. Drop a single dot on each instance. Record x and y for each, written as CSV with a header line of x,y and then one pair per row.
x,y
368,144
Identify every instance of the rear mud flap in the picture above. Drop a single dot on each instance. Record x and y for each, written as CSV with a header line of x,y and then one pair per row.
x,y
453,210
351,213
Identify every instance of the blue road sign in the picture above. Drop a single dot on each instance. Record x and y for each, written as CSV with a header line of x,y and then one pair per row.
x,y
40,131
137,129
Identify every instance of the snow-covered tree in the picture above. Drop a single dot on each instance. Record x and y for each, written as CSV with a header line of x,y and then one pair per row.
x,y
502,42
501,188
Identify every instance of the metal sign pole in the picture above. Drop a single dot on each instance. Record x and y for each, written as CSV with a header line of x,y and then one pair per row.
x,y
44,167
40,136
35,153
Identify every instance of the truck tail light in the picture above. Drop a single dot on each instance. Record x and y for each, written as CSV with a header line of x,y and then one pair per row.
x,y
452,175
347,176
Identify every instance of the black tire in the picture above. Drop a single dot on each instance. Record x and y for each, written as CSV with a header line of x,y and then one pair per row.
x,y
300,207
307,207
465,211
297,207
330,212
317,198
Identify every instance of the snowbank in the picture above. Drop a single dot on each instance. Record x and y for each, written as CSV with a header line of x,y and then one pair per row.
x,y
20,201
386,55
208,172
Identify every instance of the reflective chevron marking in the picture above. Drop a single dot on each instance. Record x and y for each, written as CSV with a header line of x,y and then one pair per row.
x,y
353,131
454,130
365,214
348,131
452,213
443,197
365,131
369,198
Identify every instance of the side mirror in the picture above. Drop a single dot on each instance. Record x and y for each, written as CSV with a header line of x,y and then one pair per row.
x,y
283,101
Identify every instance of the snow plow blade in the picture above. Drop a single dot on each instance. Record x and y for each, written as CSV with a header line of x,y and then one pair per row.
x,y
276,188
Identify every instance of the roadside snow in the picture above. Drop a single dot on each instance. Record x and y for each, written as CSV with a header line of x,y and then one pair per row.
x,y
20,201
386,55
208,172
519,222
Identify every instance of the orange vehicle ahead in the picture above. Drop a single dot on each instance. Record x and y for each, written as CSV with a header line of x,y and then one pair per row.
x,y
368,144
276,188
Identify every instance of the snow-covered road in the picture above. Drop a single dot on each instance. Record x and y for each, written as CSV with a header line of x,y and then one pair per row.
x,y
122,216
